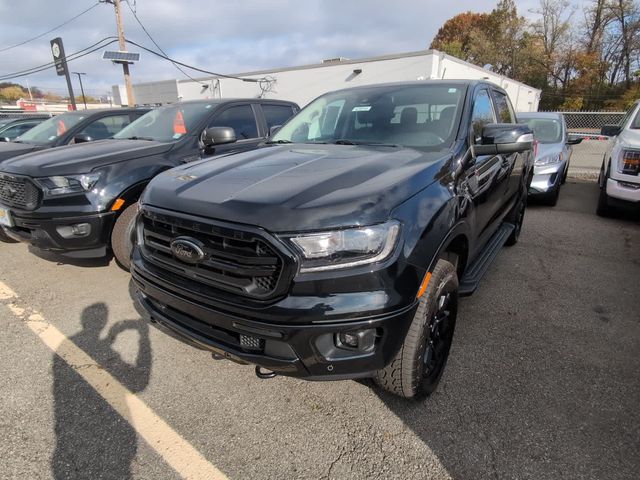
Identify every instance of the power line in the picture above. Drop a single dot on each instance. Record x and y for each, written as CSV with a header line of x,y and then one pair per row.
x,y
74,56
51,30
173,60
156,43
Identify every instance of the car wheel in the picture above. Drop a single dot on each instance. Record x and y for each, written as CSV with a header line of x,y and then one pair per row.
x,y
517,219
122,236
551,198
417,368
603,209
6,238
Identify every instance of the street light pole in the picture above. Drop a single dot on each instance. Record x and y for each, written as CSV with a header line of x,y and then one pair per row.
x,y
84,98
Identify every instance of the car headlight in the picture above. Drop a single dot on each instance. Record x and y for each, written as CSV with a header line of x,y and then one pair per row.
x,y
548,159
63,185
629,162
345,248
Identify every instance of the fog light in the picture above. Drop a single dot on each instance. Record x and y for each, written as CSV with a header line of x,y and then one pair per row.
x,y
362,340
77,230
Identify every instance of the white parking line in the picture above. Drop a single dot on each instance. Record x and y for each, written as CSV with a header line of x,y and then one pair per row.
x,y
175,450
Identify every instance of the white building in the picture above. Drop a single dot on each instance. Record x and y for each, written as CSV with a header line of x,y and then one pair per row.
x,y
303,84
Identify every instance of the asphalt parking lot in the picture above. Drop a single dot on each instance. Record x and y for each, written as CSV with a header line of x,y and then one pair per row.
x,y
542,382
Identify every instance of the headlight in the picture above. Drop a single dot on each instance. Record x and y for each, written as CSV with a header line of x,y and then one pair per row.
x,y
60,185
346,248
629,163
548,159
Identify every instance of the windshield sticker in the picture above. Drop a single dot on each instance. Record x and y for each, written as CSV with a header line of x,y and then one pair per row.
x,y
176,136
208,107
362,108
453,90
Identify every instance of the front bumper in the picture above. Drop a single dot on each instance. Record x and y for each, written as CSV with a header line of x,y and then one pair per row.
x,y
299,349
626,191
44,233
546,178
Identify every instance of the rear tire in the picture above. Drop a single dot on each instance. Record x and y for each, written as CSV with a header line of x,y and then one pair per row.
x,y
4,238
122,236
417,368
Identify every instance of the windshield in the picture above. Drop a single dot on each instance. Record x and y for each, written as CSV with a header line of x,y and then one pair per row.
x,y
418,116
167,124
51,129
545,130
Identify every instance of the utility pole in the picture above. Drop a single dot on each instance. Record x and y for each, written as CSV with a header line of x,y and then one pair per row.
x,y
84,98
123,47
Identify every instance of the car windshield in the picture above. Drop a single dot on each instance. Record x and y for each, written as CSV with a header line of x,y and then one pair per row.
x,y
636,120
423,116
545,130
166,124
51,129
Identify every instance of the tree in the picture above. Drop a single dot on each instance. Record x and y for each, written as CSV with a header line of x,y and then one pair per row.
x,y
12,93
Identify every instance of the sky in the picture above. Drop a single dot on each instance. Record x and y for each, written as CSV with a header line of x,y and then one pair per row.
x,y
225,36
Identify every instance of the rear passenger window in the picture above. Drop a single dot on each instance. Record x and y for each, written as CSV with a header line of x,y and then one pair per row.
x,y
482,114
505,110
106,127
276,115
241,119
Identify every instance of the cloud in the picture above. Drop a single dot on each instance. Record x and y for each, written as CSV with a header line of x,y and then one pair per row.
x,y
223,36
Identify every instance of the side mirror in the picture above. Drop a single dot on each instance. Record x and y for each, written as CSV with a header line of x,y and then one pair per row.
x,y
218,136
504,138
82,138
573,140
273,130
610,130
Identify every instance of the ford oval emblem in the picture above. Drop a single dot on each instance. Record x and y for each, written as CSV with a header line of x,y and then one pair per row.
x,y
188,250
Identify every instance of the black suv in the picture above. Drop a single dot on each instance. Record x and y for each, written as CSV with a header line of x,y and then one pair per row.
x,y
81,200
339,250
70,128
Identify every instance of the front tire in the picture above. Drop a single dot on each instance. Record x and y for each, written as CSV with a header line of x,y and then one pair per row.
x,y
417,368
603,209
122,236
4,238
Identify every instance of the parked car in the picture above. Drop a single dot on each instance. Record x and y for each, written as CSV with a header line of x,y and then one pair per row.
x,y
17,126
339,250
69,128
81,200
553,153
619,179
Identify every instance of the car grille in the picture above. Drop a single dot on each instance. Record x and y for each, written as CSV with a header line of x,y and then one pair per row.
x,y
19,192
234,260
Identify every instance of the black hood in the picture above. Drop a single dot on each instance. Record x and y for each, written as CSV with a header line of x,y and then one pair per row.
x,y
298,187
81,158
12,149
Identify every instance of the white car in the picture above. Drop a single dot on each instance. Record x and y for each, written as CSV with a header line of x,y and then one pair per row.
x,y
620,173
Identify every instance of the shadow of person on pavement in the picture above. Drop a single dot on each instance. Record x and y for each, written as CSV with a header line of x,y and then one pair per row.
x,y
92,439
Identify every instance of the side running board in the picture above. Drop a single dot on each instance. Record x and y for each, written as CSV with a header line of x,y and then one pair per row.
x,y
469,283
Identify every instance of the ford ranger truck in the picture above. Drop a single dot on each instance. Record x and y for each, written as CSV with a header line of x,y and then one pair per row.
x,y
340,249
81,200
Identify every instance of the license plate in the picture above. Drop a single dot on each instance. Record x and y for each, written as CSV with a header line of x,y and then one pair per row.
x,y
5,217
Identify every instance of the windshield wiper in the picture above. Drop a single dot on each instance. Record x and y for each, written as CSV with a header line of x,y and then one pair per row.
x,y
345,141
149,139
271,142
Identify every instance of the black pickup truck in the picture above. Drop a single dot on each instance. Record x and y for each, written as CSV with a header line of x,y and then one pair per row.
x,y
339,250
81,200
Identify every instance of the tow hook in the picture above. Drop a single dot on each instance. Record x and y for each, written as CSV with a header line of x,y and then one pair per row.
x,y
263,373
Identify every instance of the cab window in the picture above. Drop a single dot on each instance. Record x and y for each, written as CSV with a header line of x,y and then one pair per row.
x,y
106,127
482,114
505,110
241,119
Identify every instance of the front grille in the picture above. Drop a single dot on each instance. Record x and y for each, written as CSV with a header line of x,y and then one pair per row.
x,y
232,259
19,192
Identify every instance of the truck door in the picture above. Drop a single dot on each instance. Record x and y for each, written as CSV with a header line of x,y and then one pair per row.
x,y
482,178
